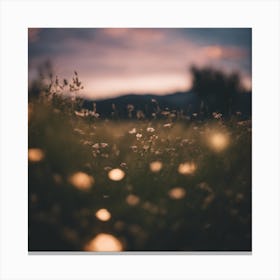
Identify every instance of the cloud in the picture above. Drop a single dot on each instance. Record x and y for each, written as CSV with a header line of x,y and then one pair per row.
x,y
135,35
221,52
241,37
114,60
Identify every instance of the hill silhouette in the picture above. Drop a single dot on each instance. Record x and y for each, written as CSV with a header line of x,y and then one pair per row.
x,y
187,103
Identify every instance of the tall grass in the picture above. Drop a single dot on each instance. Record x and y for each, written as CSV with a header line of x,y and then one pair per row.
x,y
162,185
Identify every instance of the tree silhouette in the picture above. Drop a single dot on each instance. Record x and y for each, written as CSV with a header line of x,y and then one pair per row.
x,y
217,90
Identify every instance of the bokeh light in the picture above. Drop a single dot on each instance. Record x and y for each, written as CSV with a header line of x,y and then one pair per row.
x,y
103,215
155,166
219,141
187,168
81,181
132,199
116,174
104,242
177,193
35,155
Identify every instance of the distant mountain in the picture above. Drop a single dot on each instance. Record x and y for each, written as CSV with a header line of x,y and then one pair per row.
x,y
185,102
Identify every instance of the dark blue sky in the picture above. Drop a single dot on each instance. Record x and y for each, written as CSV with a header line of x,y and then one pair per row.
x,y
156,60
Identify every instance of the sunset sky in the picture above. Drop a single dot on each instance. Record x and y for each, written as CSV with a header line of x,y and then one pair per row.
x,y
114,61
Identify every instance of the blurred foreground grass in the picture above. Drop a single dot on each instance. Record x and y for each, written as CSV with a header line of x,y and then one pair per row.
x,y
137,185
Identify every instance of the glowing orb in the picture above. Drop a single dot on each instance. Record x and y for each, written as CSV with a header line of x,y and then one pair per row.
x,y
187,168
35,155
219,141
155,166
81,180
103,215
116,174
177,193
132,200
104,242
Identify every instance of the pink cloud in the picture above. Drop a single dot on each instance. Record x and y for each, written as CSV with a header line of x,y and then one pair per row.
x,y
133,35
221,52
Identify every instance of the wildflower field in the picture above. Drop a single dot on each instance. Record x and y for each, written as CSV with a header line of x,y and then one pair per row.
x,y
137,185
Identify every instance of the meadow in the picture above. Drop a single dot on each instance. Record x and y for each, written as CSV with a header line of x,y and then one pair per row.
x,y
168,184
